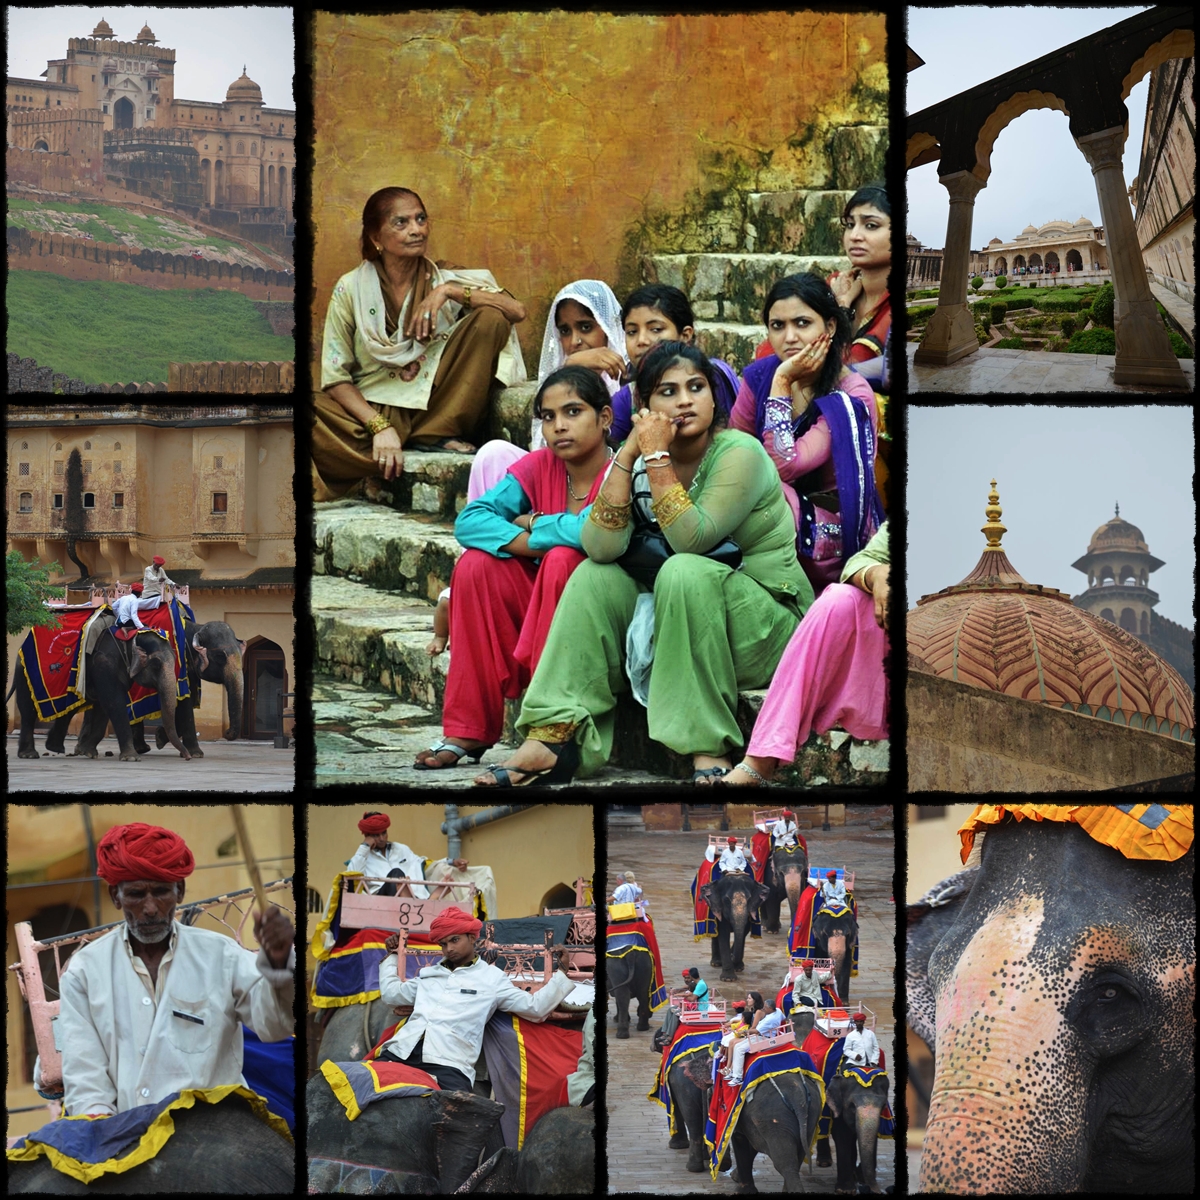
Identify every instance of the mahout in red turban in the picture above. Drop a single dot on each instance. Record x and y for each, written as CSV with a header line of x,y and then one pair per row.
x,y
379,823
159,561
733,841
859,1016
831,874
139,851
808,962
451,921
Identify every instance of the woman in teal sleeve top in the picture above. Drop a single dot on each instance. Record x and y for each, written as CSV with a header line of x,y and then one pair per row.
x,y
523,543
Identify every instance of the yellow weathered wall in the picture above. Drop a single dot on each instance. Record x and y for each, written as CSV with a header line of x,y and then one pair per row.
x,y
205,828
547,146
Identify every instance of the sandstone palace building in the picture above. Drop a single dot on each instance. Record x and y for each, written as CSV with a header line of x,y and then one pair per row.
x,y
110,107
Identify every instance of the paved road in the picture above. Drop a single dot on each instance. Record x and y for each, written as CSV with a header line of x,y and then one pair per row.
x,y
242,766
665,863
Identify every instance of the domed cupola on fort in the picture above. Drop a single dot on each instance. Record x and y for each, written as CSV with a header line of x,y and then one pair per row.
x,y
1117,565
146,37
244,90
996,630
103,30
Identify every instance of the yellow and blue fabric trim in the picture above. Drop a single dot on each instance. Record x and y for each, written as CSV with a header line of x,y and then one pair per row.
x,y
356,1084
86,1148
1145,832
689,1043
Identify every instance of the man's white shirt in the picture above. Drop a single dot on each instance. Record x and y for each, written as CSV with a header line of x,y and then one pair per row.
x,y
861,1049
394,854
126,608
811,987
125,1042
835,891
450,1008
784,832
626,893
732,859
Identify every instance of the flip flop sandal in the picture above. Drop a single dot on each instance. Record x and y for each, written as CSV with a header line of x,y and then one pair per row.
x,y
563,770
459,753
713,773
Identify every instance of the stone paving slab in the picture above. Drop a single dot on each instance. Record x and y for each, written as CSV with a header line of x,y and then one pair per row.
x,y
665,864
242,766
1022,372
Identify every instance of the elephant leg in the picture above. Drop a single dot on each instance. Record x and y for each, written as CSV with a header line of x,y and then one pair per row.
x,y
185,725
95,724
824,1158
715,957
744,1155
846,1143
138,732
25,746
644,980
55,743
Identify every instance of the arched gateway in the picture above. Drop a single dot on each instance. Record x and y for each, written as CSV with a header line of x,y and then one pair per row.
x,y
1088,81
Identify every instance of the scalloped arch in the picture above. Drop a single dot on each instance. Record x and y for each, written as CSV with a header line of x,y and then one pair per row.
x,y
1004,114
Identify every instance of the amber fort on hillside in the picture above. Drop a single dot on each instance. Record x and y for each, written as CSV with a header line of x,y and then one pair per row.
x,y
104,123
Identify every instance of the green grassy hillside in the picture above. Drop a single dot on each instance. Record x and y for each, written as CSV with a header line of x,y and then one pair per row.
x,y
107,223
104,332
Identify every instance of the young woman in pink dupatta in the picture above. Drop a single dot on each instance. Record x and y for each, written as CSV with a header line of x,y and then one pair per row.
x,y
523,543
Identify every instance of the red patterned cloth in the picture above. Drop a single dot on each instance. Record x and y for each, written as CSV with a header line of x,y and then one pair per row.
x,y
140,851
48,656
760,844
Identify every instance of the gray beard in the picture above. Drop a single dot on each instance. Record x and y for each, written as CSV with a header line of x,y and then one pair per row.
x,y
150,941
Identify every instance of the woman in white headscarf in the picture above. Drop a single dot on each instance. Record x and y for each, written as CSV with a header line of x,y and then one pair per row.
x,y
583,330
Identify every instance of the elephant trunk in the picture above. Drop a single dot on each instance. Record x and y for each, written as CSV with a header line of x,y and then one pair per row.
x,y
232,683
838,949
1008,1111
168,701
867,1118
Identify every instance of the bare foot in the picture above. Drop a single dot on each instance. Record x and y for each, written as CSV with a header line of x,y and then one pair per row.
x,y
459,445
531,755
437,644
741,777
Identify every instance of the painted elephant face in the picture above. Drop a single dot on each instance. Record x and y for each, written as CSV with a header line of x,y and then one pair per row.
x,y
1063,1022
734,897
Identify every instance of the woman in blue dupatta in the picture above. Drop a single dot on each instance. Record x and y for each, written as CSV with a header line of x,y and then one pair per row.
x,y
818,422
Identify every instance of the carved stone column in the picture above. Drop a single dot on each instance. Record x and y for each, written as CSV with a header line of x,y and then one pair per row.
x,y
950,334
1144,353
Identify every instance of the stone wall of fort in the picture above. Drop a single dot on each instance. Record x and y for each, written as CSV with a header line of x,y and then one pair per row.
x,y
54,172
78,258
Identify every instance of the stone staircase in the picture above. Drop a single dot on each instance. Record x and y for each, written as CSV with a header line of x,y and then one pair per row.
x,y
378,567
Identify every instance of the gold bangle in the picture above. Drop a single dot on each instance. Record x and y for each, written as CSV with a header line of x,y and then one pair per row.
x,y
671,505
608,515
378,424
466,287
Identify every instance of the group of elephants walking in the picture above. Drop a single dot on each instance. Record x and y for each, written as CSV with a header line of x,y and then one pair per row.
x,y
779,1119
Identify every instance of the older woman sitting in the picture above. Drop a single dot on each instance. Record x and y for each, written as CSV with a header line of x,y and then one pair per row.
x,y
716,629
411,349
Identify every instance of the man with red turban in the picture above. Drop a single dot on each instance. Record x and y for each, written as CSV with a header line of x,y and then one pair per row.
x,y
833,889
732,858
785,832
454,1000
386,859
155,1006
155,579
807,987
860,1049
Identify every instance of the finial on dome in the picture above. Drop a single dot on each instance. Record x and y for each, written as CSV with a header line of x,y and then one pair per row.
x,y
1118,509
993,530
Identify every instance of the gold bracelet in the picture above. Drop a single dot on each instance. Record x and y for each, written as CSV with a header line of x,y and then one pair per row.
x,y
671,505
378,424
608,515
466,287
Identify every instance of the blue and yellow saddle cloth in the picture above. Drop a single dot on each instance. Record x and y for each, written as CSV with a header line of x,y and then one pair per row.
x,y
88,1147
683,1045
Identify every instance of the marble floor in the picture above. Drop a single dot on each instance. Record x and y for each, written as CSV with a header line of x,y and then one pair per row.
x,y
1026,372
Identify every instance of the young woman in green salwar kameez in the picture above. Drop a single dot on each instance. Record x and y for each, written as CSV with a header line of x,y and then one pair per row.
x,y
716,630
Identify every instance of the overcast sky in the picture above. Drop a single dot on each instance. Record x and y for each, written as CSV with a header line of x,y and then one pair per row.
x,y
1059,472
211,44
1038,173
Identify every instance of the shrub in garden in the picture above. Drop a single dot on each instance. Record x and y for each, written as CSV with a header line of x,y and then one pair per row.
x,y
1068,327
1179,345
1010,343
1102,306
1093,341
977,282
1001,281
999,312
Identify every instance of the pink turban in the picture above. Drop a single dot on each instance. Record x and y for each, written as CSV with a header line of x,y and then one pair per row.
x,y
451,921
138,851
380,823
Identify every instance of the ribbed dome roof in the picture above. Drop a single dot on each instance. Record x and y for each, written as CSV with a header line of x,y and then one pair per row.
x,y
147,35
102,30
244,89
1029,229
1083,223
1118,534
996,631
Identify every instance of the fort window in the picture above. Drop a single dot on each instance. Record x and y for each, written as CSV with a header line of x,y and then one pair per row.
x,y
24,445
87,466
58,499
89,499
117,467
87,445
116,445
218,462
58,445
118,499
241,148
26,502
220,502
23,469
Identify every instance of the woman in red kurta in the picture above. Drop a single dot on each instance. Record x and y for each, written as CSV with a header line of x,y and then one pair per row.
x,y
522,539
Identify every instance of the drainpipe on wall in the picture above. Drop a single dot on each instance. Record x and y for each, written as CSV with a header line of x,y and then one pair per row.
x,y
454,825
86,813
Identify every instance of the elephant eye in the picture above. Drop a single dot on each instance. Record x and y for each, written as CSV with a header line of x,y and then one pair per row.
x,y
1109,994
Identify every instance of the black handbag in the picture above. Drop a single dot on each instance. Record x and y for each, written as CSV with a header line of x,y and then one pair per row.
x,y
649,549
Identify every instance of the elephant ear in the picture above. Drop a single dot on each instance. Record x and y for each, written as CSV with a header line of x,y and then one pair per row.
x,y
762,893
461,1127
929,920
708,895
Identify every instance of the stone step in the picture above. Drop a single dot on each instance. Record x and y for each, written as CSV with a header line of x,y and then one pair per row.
x,y
732,287
371,638
801,222
736,344
389,550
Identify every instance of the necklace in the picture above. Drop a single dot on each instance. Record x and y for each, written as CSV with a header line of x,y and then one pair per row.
x,y
570,487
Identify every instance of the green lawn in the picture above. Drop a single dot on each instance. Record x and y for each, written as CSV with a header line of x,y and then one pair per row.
x,y
104,332
107,223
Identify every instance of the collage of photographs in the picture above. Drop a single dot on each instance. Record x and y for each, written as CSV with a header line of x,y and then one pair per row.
x,y
350,998
588,474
